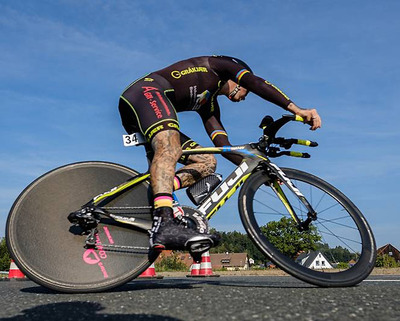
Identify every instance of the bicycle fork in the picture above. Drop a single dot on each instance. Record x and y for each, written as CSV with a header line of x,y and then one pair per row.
x,y
276,187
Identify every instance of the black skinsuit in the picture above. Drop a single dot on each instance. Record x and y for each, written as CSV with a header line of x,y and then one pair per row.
x,y
151,103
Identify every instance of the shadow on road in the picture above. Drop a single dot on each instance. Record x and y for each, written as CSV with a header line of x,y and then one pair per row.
x,y
188,284
79,311
132,286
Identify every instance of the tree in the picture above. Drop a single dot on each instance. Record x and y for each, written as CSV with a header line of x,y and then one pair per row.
x,y
386,261
342,266
283,234
236,242
337,254
4,256
286,237
171,263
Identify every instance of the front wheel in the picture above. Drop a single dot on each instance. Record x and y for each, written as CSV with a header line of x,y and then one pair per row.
x,y
337,250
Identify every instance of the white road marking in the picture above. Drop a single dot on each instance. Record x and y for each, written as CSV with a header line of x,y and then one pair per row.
x,y
377,280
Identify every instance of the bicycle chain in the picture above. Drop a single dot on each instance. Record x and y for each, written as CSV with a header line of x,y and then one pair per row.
x,y
124,248
138,208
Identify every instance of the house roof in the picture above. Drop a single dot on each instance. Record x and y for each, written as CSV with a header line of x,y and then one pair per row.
x,y
388,248
218,260
228,259
310,257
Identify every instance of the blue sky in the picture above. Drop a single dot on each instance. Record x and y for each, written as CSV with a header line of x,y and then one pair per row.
x,y
63,65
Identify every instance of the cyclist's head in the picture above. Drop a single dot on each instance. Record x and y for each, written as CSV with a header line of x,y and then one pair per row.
x,y
235,92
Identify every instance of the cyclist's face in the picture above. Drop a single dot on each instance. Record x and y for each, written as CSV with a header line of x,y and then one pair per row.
x,y
240,92
241,95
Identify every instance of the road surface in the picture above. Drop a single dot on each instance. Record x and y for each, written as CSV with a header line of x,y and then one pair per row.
x,y
223,298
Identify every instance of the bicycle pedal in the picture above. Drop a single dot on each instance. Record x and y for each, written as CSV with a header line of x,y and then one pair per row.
x,y
199,247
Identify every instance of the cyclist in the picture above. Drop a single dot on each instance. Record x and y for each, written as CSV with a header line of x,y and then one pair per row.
x,y
150,105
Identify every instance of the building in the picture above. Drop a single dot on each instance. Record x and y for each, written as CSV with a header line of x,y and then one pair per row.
x,y
314,260
230,261
390,250
183,256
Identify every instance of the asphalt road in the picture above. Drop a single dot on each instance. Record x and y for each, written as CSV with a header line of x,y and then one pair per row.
x,y
223,298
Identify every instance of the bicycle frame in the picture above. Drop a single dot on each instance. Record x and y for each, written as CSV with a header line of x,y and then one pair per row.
x,y
253,158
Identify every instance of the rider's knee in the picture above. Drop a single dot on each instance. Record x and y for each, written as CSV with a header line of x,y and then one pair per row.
x,y
210,163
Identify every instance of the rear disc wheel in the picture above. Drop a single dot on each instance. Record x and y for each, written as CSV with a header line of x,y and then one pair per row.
x,y
51,252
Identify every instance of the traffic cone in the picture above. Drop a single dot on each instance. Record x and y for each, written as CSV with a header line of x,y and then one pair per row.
x,y
205,267
150,273
15,273
194,269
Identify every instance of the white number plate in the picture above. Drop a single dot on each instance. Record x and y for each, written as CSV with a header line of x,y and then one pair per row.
x,y
133,139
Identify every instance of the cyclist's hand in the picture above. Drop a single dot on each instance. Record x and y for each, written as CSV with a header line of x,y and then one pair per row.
x,y
311,117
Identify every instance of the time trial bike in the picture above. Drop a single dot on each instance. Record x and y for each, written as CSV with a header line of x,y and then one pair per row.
x,y
108,245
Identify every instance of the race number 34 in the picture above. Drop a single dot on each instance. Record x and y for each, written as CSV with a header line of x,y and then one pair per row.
x,y
133,139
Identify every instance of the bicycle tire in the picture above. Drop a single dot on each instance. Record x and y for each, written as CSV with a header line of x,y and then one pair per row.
x,y
254,215
51,252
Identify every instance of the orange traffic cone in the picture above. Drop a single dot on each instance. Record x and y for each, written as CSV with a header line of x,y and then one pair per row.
x,y
150,273
205,267
194,269
15,273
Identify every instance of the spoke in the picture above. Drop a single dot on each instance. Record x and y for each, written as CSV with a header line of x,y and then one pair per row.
x,y
273,195
320,221
274,214
301,208
269,207
341,239
297,208
319,202
311,195
266,192
328,208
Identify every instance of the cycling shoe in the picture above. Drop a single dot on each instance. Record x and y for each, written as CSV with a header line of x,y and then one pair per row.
x,y
168,233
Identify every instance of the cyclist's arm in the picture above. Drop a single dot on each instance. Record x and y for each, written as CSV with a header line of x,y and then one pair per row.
x,y
227,69
217,133
265,90
270,92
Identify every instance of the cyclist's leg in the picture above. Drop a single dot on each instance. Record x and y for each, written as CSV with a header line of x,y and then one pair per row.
x,y
196,166
147,108
168,233
167,151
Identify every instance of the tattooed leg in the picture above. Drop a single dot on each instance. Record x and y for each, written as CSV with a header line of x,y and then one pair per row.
x,y
198,166
167,151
